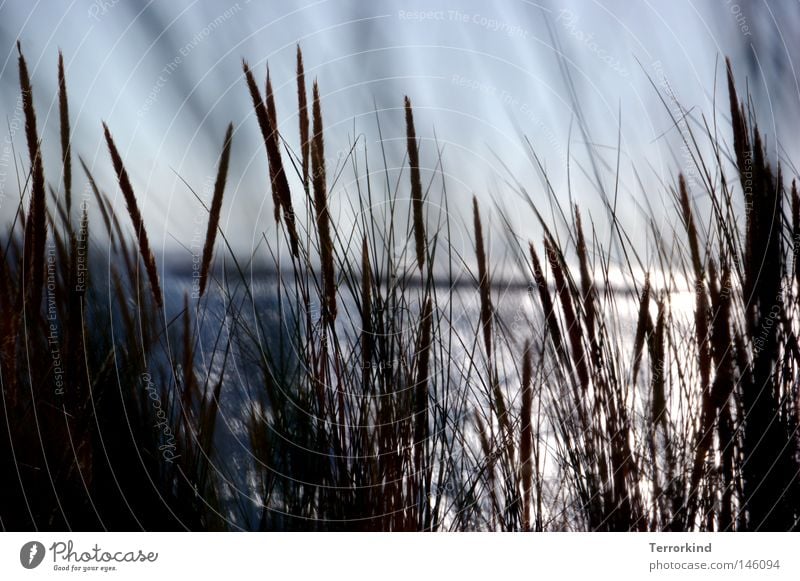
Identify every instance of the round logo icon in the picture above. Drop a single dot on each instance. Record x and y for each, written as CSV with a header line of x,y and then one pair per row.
x,y
31,554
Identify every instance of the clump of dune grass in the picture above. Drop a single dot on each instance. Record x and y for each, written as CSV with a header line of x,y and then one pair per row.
x,y
368,402
92,432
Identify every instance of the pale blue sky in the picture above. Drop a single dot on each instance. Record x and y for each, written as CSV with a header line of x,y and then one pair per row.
x,y
166,76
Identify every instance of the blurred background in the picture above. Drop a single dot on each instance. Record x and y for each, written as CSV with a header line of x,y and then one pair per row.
x,y
587,91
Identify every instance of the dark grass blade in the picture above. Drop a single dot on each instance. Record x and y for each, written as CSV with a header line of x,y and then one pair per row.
x,y
216,208
136,218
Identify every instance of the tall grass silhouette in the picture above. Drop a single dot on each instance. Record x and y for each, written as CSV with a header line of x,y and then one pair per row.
x,y
374,400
